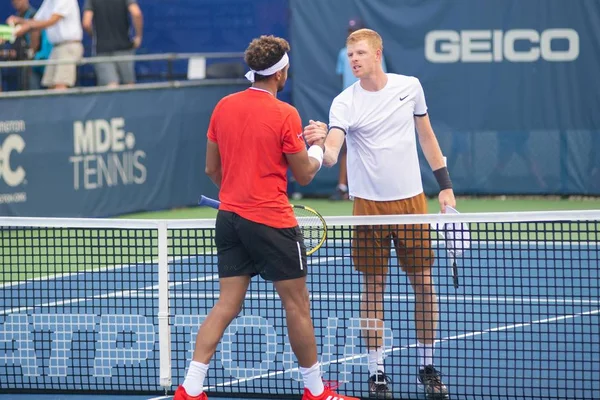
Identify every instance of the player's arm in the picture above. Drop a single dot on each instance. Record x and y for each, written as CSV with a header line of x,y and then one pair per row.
x,y
429,143
333,146
306,163
435,158
316,132
303,163
335,134
213,163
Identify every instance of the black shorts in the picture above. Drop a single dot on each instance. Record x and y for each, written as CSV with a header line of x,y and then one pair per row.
x,y
248,248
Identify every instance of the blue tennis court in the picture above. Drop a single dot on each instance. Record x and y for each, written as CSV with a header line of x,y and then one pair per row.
x,y
525,322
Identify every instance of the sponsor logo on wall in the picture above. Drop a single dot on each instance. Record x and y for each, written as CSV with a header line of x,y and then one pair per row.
x,y
106,155
494,46
12,175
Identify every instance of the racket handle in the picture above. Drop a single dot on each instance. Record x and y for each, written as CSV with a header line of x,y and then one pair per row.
x,y
455,274
208,202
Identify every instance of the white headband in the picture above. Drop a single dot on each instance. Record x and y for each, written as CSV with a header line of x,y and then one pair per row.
x,y
271,70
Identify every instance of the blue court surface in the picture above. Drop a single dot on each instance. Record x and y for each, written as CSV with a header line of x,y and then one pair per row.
x,y
525,322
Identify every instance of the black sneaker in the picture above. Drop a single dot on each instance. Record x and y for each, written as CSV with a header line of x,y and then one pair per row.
x,y
378,386
435,389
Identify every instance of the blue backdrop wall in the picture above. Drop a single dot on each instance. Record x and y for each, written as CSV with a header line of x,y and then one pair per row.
x,y
96,155
508,84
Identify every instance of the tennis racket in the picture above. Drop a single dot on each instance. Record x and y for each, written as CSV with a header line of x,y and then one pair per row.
x,y
311,223
453,268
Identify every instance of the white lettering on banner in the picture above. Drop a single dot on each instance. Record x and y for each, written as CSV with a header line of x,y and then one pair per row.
x,y
10,175
105,155
17,126
130,340
8,198
487,46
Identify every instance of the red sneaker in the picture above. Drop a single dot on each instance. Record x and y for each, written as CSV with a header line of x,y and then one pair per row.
x,y
328,394
181,394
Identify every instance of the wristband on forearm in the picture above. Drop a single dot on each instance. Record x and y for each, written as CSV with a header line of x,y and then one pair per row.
x,y
317,153
443,178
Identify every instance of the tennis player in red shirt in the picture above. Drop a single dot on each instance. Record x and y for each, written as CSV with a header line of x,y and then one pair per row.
x,y
252,140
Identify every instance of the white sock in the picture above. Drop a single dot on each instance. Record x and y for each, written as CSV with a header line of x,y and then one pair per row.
x,y
312,379
194,380
342,187
375,361
425,354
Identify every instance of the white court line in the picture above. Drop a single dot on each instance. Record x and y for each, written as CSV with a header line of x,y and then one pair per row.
x,y
123,293
68,274
442,298
95,270
487,243
320,260
132,265
336,242
161,398
133,292
402,348
452,300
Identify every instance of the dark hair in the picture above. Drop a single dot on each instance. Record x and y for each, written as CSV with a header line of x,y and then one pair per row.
x,y
265,52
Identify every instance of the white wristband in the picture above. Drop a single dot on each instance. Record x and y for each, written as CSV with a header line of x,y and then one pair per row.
x,y
316,152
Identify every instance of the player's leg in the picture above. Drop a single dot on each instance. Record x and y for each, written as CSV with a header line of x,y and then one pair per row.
x,y
235,270
370,254
232,292
426,311
426,321
413,247
280,256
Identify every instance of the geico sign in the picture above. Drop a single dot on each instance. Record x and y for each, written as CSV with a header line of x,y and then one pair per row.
x,y
496,46
12,177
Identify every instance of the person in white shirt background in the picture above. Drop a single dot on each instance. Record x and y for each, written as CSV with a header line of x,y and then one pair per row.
x,y
61,19
377,117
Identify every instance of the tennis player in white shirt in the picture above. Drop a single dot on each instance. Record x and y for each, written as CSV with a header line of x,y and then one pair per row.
x,y
377,116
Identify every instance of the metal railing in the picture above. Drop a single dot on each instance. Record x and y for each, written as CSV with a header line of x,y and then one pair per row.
x,y
170,78
169,57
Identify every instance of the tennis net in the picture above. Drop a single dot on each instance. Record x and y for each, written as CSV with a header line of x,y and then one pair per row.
x,y
113,306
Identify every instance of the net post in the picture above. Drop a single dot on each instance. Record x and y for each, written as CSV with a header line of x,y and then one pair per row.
x,y
164,329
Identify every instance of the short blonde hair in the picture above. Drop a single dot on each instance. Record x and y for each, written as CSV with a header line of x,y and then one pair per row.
x,y
372,37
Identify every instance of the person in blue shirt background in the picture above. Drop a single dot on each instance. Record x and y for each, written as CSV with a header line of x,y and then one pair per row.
x,y
343,69
33,45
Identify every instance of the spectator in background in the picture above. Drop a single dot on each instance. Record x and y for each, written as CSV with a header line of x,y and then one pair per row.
x,y
345,71
33,45
107,21
3,56
61,20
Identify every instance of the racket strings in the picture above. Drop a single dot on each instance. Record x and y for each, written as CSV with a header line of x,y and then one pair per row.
x,y
311,226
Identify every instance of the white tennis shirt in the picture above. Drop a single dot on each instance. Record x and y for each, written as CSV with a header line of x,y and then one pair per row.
x,y
383,163
68,29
